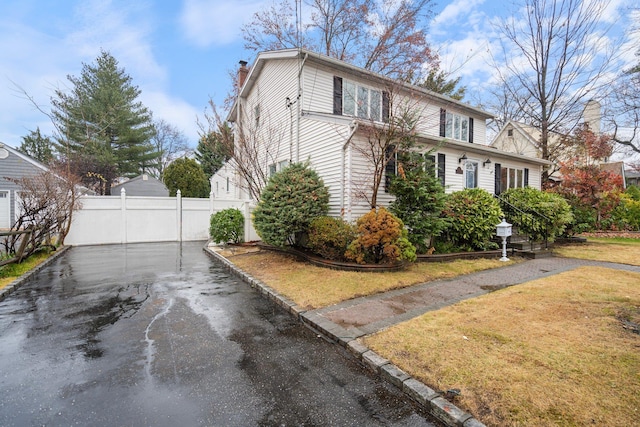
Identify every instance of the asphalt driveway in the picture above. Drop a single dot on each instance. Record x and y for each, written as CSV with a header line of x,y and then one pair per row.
x,y
160,334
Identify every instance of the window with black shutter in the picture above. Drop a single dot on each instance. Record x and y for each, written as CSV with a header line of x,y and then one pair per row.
x,y
526,177
497,177
390,168
441,168
471,130
443,121
385,106
337,95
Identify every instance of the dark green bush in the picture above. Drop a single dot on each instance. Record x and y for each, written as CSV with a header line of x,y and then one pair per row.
x,y
227,226
330,237
585,218
419,201
473,214
536,213
289,202
382,239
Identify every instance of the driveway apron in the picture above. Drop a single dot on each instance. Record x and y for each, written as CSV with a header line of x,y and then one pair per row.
x,y
160,334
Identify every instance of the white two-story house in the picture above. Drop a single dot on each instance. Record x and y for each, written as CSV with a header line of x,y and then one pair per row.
x,y
296,105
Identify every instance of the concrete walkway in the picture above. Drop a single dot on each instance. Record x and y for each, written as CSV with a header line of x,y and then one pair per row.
x,y
367,315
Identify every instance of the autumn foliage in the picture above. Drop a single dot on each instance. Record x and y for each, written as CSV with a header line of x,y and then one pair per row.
x,y
585,184
382,239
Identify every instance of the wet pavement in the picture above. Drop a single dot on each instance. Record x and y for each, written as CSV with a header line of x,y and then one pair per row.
x,y
160,334
370,314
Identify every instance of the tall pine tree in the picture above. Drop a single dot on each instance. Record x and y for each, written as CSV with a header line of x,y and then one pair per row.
x,y
101,123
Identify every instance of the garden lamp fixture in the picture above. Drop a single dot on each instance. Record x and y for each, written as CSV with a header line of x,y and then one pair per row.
x,y
463,157
504,231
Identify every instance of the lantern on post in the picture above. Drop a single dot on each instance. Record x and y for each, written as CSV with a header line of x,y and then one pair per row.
x,y
504,231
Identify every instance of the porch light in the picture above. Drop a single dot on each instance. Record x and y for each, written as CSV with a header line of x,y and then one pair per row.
x,y
504,231
463,157
486,162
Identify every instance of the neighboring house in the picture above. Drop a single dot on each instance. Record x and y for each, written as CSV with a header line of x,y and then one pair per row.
x,y
143,185
299,105
631,177
524,139
225,184
13,165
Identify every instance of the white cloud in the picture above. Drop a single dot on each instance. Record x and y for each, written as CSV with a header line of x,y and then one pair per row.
x,y
216,22
174,111
454,12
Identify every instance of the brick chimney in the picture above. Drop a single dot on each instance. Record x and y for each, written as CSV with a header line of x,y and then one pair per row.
x,y
243,71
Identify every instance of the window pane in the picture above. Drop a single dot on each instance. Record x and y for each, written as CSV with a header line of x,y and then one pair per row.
x,y
349,99
272,169
471,174
512,178
465,129
448,127
504,179
520,184
363,102
456,127
375,105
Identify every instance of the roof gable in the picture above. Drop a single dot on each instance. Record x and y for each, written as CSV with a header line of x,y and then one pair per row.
x,y
305,56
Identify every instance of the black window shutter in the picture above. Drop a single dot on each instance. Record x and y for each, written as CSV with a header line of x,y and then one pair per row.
x,y
441,168
497,178
526,177
390,168
385,106
443,120
337,95
471,130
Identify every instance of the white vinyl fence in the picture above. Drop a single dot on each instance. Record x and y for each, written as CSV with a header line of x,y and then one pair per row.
x,y
109,219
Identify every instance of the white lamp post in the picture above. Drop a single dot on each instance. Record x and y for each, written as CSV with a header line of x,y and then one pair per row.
x,y
504,231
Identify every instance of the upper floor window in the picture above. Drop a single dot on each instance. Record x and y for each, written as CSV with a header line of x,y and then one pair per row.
x,y
456,126
351,99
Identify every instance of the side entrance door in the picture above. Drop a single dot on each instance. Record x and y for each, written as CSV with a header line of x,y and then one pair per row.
x,y
5,212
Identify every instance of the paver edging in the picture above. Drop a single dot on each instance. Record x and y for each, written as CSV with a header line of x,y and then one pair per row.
x,y
432,401
13,286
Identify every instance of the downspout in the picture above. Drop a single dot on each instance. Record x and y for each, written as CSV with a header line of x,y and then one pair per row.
x,y
354,129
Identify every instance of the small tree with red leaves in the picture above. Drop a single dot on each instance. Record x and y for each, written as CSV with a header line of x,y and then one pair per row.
x,y
585,184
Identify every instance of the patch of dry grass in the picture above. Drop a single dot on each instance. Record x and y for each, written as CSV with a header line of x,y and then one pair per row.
x,y
554,351
10,272
313,287
621,251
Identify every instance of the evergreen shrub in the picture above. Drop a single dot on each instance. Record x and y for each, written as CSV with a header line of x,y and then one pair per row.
x,y
289,202
227,226
381,239
473,214
330,237
419,201
536,212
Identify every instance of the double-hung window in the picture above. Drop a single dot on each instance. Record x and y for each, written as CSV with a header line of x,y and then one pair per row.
x,y
277,167
507,178
353,99
456,126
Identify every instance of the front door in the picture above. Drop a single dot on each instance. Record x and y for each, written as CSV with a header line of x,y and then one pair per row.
x,y
5,212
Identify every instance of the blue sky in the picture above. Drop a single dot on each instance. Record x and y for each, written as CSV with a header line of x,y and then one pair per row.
x,y
180,53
